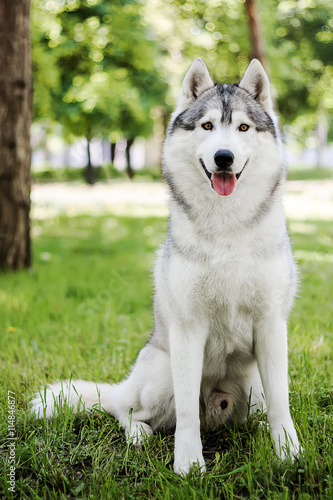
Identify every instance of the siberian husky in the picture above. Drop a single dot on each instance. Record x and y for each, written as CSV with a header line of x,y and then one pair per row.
x,y
225,280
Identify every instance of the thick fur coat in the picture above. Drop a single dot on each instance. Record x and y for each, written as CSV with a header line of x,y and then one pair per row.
x,y
224,279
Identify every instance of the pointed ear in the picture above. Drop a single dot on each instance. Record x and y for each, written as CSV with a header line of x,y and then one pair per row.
x,y
256,82
196,81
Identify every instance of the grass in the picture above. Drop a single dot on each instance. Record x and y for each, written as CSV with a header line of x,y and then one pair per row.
x,y
309,174
101,173
85,311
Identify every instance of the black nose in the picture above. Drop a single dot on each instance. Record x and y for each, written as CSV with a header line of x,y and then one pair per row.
x,y
224,159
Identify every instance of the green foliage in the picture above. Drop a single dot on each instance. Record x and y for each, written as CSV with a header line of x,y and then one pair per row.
x,y
85,311
299,41
105,82
101,67
217,31
46,75
300,45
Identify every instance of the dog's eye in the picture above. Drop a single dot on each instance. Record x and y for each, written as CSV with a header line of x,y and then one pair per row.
x,y
243,127
207,126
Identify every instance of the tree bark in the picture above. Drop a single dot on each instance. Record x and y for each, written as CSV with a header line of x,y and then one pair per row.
x,y
257,40
89,168
129,169
15,121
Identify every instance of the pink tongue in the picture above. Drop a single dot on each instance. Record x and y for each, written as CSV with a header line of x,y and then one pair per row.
x,y
224,183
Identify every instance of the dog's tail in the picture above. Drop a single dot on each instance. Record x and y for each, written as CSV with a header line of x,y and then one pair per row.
x,y
79,395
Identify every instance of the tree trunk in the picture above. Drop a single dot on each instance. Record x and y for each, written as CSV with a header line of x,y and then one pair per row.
x,y
15,121
113,151
129,169
257,41
89,168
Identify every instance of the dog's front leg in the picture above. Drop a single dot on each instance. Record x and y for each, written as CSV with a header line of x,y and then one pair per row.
x,y
187,347
272,356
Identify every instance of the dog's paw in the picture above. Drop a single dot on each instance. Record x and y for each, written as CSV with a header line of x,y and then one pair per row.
x,y
263,425
138,432
286,443
188,454
290,450
185,465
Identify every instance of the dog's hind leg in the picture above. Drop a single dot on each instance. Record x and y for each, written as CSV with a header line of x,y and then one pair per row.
x,y
145,401
81,395
142,402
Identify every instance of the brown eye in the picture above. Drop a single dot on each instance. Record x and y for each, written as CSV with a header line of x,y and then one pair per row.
x,y
207,126
243,127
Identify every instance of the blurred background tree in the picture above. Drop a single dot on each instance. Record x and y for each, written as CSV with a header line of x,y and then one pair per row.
x,y
95,71
301,42
258,49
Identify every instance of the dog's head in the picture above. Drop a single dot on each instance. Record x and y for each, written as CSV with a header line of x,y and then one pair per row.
x,y
223,130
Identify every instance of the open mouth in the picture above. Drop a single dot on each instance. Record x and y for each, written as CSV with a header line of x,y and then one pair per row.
x,y
223,183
